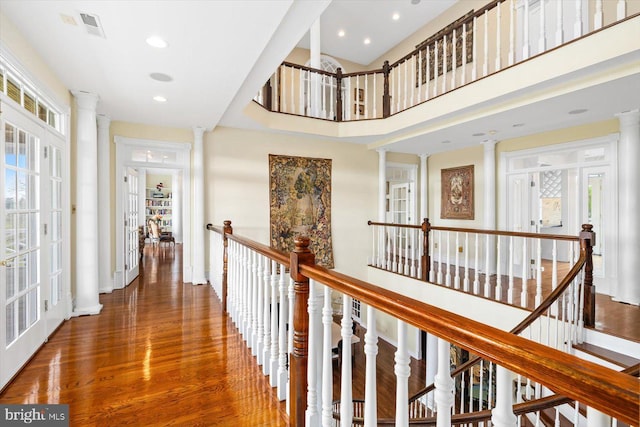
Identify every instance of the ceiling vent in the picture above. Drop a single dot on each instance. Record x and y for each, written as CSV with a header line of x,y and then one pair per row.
x,y
92,24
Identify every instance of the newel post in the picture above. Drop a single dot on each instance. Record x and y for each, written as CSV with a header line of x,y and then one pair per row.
x,y
386,98
301,255
426,257
587,241
225,263
268,93
339,94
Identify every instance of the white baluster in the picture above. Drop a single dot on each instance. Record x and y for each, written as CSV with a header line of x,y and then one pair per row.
x,y
292,295
366,97
375,97
498,37
621,10
512,33
406,252
554,266
415,241
254,303
456,280
395,249
399,79
346,399
454,61
402,371
413,79
525,34
428,73
463,74
432,271
332,102
419,95
439,281
370,352
510,290
542,41
275,333
476,277
502,415
435,69
389,249
539,272
282,335
447,276
259,312
487,285
444,63
405,80
524,297
498,270
311,414
444,386
559,24
266,342
598,16
245,292
577,26
485,62
474,72
466,263
432,367
327,367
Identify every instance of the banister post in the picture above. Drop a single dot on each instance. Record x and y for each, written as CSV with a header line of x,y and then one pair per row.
x,y
386,98
339,94
426,257
301,255
268,92
225,262
587,242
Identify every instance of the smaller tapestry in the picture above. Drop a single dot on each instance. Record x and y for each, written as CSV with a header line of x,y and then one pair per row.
x,y
300,204
457,193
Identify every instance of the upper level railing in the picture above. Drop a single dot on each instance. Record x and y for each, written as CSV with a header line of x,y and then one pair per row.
x,y
282,305
478,44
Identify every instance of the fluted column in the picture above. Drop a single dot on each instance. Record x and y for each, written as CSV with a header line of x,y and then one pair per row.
x,y
199,276
382,184
87,271
104,205
627,289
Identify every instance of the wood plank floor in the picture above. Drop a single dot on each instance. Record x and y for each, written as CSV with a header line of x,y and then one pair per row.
x,y
160,353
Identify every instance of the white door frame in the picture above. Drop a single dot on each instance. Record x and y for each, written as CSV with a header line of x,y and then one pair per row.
x,y
124,148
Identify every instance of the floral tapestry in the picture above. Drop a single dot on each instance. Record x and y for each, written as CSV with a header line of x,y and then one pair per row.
x,y
300,204
457,193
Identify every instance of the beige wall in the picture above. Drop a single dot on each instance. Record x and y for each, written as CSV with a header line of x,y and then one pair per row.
x,y
301,56
237,187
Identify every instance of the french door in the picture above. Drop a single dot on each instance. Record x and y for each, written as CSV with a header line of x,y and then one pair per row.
x,y
132,203
33,271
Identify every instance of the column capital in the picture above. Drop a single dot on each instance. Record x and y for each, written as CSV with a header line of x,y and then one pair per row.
x,y
104,121
198,132
381,150
489,143
629,117
424,156
86,100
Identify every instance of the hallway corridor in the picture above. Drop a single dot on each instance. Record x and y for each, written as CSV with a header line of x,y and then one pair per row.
x,y
160,353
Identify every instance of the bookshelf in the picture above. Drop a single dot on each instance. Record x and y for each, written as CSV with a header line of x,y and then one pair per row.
x,y
159,202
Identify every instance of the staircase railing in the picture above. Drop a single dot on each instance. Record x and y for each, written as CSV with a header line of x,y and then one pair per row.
x,y
480,43
286,320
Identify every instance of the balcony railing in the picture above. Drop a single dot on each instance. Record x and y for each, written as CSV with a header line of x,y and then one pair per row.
x,y
478,44
282,305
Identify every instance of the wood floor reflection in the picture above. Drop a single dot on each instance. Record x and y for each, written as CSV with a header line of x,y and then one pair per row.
x,y
159,353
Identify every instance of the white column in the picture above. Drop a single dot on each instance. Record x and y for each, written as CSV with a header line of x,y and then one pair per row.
x,y
314,51
104,206
176,206
489,196
444,386
382,185
502,414
628,290
87,271
424,190
199,277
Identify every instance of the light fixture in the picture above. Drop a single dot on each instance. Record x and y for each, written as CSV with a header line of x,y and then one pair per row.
x,y
159,98
367,40
578,111
395,16
157,41
415,1
161,77
518,125
492,132
478,134
446,141
341,33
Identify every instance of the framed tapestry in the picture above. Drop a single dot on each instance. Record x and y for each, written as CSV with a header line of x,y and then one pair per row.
x,y
300,204
457,193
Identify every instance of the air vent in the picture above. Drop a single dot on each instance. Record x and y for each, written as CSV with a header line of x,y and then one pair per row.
x,y
92,24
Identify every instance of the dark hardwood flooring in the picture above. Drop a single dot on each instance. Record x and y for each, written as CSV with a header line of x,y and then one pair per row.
x,y
162,353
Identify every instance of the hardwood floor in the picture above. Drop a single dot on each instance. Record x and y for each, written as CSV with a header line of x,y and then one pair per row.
x,y
162,353
159,353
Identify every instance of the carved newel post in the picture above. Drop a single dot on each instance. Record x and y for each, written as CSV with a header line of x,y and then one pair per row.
x,y
587,242
426,256
301,255
225,263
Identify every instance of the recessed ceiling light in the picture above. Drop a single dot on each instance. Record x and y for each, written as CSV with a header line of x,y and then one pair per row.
x,y
478,134
367,40
518,125
68,19
578,111
446,141
492,132
341,33
395,16
157,41
159,98
415,1
161,77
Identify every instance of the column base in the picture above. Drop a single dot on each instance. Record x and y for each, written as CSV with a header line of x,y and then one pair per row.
x,y
87,311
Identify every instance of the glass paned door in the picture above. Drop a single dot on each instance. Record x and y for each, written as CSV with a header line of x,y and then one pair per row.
x,y
20,275
132,254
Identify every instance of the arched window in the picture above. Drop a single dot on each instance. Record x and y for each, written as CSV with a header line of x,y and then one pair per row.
x,y
327,93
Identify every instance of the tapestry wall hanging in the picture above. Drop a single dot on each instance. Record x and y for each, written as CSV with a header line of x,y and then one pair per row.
x,y
457,193
300,204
